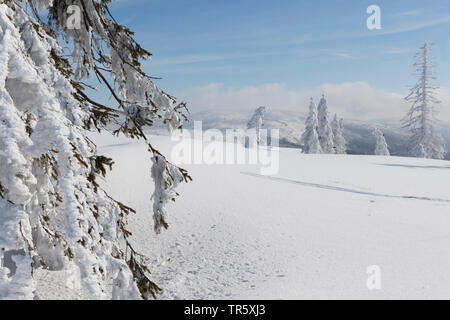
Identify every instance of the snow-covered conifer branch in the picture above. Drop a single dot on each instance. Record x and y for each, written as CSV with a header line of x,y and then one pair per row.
x,y
53,213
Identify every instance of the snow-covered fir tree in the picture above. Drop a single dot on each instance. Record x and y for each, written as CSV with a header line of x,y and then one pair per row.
x,y
420,120
53,212
419,151
310,138
324,129
381,147
256,123
340,145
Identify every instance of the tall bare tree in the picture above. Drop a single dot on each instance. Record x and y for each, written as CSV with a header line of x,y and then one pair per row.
x,y
425,140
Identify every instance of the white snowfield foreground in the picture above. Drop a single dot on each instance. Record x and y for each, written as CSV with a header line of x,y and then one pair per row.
x,y
310,231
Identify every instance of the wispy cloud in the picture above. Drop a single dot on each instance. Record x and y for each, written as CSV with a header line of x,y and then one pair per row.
x,y
342,55
408,13
120,3
188,59
387,29
413,26
189,69
398,51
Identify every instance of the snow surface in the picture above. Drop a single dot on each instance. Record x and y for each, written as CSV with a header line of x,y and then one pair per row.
x,y
310,231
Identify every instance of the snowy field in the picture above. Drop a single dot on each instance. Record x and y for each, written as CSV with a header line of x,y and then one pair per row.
x,y
308,232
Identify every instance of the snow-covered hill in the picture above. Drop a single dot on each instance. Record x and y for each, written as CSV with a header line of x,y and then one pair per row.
x,y
310,231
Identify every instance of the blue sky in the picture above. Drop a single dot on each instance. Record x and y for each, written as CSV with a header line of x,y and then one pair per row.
x,y
299,44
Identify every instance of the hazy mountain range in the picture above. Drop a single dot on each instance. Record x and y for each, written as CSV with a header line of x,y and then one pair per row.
x,y
291,125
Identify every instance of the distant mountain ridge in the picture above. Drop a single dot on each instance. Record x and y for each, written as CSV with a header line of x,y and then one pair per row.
x,y
292,124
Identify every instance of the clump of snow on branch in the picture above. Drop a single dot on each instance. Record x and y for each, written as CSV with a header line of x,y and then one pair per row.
x,y
166,178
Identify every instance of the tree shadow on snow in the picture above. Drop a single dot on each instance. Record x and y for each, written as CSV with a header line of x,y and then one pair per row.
x,y
412,166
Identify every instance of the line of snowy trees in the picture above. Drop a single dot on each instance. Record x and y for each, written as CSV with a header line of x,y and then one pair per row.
x,y
322,135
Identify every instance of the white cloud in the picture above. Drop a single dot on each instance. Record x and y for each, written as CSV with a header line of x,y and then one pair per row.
x,y
355,100
201,58
187,59
400,51
417,25
407,13
342,55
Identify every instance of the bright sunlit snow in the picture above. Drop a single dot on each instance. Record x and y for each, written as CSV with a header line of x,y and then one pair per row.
x,y
310,231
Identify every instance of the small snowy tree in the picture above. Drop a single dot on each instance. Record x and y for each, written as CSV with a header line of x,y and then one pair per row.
x,y
256,123
419,151
420,119
324,129
310,138
340,145
53,212
381,147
